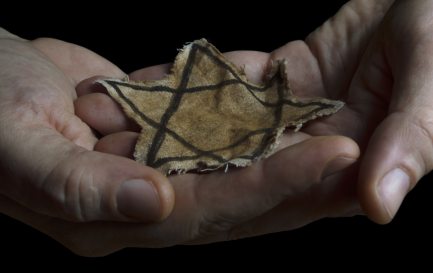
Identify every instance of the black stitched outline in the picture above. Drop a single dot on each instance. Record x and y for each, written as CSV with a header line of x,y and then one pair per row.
x,y
199,152
164,160
162,88
159,137
162,129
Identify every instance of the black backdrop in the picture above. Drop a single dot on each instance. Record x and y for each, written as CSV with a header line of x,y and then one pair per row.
x,y
138,36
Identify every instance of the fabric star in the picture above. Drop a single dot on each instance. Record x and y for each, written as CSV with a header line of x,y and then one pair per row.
x,y
205,114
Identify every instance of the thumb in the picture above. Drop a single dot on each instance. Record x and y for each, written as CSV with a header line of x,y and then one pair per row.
x,y
398,155
400,151
66,181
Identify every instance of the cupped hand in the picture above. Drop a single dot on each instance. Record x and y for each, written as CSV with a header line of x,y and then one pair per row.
x,y
57,176
375,55
47,162
395,72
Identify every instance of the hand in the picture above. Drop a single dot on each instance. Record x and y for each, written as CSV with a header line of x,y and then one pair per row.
x,y
54,179
396,72
377,59
47,165
381,67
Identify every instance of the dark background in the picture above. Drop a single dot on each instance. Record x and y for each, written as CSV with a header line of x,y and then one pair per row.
x,y
137,36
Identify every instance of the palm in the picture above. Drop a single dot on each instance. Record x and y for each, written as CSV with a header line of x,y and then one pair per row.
x,y
76,64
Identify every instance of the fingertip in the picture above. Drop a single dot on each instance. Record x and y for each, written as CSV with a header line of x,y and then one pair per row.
x,y
334,153
89,86
368,194
164,189
390,168
122,144
344,146
333,147
146,199
103,114
372,205
166,194
382,198
254,63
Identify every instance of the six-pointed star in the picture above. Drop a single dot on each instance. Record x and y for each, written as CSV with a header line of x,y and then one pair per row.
x,y
205,114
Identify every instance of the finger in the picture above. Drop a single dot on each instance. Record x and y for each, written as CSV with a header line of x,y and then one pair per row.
x,y
255,64
103,114
66,181
122,144
306,81
90,86
400,151
246,193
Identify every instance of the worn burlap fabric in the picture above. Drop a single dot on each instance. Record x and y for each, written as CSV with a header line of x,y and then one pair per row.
x,y
205,114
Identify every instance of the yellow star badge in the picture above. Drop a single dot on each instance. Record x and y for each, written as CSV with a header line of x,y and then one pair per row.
x,y
205,114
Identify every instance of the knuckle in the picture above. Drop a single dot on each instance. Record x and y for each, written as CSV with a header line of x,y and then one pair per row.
x,y
70,189
73,206
60,187
212,224
424,125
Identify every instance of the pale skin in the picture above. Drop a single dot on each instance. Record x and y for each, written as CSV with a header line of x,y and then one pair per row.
x,y
58,177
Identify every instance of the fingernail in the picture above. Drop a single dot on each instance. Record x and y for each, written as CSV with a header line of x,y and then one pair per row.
x,y
392,189
138,199
337,165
